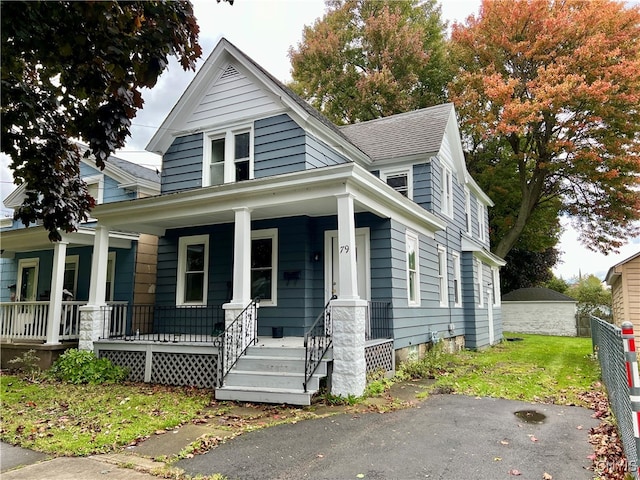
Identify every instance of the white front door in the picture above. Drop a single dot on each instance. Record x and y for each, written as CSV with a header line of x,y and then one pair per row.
x,y
362,263
27,287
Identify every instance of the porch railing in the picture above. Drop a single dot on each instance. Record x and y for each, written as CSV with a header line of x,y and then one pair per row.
x,y
317,341
30,320
161,323
379,321
239,336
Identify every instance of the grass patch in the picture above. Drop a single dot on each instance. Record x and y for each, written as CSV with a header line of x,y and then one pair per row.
x,y
65,419
537,369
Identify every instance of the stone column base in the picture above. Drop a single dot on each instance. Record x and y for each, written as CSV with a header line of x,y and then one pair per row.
x,y
349,365
92,318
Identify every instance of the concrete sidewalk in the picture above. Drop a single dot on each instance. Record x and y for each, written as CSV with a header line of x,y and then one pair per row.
x,y
443,437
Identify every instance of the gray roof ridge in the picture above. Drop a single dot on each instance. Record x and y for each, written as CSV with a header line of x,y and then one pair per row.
x,y
439,106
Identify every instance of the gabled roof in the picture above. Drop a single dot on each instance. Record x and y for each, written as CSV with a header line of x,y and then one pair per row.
x,y
418,132
221,55
127,174
536,294
613,273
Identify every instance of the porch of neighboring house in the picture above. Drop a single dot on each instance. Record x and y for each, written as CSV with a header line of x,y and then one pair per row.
x,y
191,346
28,326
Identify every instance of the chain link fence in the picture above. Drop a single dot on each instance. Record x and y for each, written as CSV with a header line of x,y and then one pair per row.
x,y
609,348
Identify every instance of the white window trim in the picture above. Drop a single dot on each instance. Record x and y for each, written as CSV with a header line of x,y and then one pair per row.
x,y
457,277
75,260
271,233
443,281
96,180
446,191
408,171
482,222
412,238
495,276
183,243
111,258
467,210
229,152
479,282
27,263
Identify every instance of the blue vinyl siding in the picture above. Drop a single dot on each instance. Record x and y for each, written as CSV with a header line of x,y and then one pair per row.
x,y
182,164
279,146
8,275
320,155
112,192
422,188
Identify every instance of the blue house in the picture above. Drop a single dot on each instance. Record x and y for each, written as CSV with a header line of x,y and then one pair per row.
x,y
291,250
43,285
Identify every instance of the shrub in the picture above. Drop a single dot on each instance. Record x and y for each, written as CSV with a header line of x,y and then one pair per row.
x,y
435,363
28,362
82,366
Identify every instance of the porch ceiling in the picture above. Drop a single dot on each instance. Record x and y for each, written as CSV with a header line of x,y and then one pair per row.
x,y
309,193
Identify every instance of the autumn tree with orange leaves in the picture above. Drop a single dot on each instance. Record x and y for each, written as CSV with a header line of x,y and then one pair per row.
x,y
548,94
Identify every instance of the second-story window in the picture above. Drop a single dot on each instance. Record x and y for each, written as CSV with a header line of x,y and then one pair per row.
x,y
228,157
482,222
400,180
447,192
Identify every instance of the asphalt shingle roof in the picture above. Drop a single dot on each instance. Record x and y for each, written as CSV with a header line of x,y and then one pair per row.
x,y
536,294
134,169
412,133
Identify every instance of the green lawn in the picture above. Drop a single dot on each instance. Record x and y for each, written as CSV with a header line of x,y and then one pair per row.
x,y
538,368
66,419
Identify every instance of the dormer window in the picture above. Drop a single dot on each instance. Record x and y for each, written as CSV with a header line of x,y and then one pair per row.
x,y
446,192
400,180
228,157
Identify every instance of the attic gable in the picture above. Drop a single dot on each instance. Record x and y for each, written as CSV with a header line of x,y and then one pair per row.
x,y
232,88
232,96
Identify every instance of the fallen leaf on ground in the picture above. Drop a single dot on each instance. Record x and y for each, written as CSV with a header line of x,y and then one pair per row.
x,y
515,472
546,476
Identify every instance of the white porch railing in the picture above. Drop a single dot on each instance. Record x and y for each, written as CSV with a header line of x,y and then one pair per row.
x,y
29,320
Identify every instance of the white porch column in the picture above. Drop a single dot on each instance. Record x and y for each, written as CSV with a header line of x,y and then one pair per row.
x,y
91,315
241,265
348,274
55,299
348,311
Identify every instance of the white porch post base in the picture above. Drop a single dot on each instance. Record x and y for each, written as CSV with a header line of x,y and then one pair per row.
x,y
91,325
349,366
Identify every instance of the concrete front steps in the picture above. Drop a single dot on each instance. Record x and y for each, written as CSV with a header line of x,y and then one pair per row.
x,y
271,374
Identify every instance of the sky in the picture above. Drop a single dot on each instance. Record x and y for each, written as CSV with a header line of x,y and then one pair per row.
x,y
265,30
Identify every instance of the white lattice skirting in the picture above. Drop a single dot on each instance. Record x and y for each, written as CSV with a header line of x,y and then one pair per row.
x,y
379,355
198,367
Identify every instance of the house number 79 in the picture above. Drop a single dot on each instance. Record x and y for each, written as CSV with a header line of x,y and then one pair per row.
x,y
344,248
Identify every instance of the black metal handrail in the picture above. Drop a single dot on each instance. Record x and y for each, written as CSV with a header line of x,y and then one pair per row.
x,y
317,341
238,337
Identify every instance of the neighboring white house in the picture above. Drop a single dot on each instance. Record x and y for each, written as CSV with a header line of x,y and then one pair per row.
x,y
540,311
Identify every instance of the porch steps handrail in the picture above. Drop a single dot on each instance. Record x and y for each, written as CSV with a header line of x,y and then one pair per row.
x,y
317,340
238,337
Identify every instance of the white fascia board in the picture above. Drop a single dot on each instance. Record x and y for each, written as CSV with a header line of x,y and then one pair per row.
x,y
289,189
15,198
386,202
417,159
469,245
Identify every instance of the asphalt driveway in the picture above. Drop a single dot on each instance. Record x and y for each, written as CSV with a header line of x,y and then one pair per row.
x,y
445,437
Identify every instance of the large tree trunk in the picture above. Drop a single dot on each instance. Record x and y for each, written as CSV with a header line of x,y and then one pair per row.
x,y
531,193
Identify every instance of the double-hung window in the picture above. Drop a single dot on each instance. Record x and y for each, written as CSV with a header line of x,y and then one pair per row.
x,y
479,282
446,192
228,157
482,222
264,261
442,277
193,266
467,210
457,281
413,269
400,180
